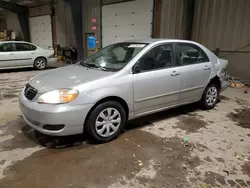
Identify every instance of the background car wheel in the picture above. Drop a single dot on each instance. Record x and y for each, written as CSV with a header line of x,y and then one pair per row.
x,y
106,121
40,63
210,97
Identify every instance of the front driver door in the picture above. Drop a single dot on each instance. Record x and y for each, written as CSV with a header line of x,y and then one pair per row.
x,y
7,58
156,80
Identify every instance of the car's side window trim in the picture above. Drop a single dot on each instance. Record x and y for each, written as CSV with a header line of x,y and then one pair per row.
x,y
175,62
14,47
32,47
191,45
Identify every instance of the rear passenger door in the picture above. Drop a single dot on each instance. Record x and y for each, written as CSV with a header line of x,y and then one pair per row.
x,y
195,70
24,54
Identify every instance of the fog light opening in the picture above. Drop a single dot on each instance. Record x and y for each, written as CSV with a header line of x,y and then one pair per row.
x,y
53,127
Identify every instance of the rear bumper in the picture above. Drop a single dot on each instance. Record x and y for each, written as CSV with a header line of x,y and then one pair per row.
x,y
225,82
51,60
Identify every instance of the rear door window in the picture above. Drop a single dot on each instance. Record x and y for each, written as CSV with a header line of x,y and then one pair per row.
x,y
24,47
190,54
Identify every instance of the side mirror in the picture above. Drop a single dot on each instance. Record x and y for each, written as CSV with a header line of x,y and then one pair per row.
x,y
136,69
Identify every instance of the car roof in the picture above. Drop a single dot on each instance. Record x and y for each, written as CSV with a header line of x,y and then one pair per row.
x,y
14,41
155,40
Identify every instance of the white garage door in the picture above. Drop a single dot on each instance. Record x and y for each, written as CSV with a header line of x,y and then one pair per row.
x,y
41,31
126,21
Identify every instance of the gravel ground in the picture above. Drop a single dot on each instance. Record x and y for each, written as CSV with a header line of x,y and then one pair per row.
x,y
183,147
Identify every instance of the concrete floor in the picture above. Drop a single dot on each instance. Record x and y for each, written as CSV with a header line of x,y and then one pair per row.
x,y
151,152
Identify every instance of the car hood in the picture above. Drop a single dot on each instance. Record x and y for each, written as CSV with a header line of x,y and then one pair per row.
x,y
66,77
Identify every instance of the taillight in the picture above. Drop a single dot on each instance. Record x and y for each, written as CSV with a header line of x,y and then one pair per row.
x,y
223,72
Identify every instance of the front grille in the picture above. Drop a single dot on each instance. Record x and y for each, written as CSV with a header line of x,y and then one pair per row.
x,y
30,92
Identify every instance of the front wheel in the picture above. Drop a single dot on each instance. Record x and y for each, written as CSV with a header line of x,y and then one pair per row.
x,y
210,97
106,121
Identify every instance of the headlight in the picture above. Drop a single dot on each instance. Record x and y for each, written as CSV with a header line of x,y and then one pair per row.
x,y
59,96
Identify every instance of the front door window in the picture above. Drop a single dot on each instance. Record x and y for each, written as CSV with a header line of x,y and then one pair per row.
x,y
6,47
159,57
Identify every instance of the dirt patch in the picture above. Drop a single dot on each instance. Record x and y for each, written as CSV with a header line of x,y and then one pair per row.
x,y
241,102
201,147
214,179
219,159
161,129
224,98
101,165
241,116
246,169
191,123
231,183
25,138
208,159
8,96
241,182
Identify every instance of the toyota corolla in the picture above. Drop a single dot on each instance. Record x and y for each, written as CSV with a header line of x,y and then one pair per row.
x,y
122,81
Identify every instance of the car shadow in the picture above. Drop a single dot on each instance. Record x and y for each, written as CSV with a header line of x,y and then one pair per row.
x,y
164,115
83,140
25,69
55,142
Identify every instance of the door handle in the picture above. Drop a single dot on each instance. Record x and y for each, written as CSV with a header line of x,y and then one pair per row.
x,y
174,73
207,68
11,54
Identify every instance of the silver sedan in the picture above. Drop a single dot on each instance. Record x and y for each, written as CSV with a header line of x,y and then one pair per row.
x,y
123,81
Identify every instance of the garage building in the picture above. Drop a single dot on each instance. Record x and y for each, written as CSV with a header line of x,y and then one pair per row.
x,y
221,25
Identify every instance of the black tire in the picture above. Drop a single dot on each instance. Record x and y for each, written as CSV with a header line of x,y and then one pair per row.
x,y
90,125
40,63
210,105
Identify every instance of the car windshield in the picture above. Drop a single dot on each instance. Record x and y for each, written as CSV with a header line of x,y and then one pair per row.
x,y
113,57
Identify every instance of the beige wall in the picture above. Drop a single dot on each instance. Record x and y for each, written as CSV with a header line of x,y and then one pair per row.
x,y
12,22
64,24
225,24
172,19
40,10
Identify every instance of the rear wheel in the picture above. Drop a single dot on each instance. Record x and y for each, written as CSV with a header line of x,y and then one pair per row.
x,y
210,97
40,63
106,121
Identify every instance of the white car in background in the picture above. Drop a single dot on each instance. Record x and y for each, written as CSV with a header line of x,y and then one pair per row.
x,y
19,54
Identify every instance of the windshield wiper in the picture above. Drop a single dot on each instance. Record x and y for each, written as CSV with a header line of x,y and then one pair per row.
x,y
95,66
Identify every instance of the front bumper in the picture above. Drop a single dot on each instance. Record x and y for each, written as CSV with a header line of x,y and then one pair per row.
x,y
39,115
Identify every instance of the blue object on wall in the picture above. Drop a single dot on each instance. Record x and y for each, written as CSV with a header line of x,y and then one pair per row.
x,y
91,42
